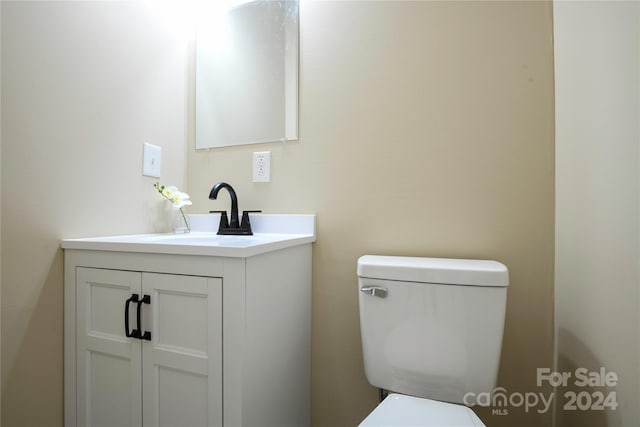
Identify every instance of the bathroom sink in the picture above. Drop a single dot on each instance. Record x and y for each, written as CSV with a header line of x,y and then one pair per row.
x,y
271,232
208,239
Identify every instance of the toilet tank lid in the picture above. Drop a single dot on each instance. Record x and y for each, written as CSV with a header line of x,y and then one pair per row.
x,y
465,272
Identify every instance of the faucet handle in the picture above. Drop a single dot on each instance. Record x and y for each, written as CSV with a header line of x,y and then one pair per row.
x,y
224,221
245,223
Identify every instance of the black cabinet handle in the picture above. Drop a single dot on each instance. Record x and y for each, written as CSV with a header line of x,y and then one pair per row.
x,y
136,332
147,335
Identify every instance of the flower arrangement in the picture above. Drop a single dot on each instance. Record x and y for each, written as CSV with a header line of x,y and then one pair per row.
x,y
177,198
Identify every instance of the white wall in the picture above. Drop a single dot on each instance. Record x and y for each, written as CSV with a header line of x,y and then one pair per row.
x,y
84,84
597,203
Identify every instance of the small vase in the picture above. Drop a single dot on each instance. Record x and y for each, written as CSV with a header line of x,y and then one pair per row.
x,y
180,222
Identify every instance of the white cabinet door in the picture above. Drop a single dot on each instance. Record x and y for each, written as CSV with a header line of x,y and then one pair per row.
x,y
109,381
182,362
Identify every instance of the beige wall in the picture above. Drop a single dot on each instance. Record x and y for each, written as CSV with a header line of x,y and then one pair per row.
x,y
0,210
84,84
597,52
426,128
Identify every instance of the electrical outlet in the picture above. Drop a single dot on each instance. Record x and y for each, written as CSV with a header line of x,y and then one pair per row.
x,y
262,166
151,160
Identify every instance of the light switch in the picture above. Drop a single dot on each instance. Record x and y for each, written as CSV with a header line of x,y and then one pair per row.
x,y
151,160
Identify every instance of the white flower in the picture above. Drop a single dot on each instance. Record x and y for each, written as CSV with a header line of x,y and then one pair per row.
x,y
177,198
169,192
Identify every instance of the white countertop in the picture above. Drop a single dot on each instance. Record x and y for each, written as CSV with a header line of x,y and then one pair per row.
x,y
271,232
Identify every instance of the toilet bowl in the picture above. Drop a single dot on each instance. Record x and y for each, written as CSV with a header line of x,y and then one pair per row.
x,y
398,410
431,332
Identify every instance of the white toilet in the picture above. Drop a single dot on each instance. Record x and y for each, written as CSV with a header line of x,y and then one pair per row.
x,y
432,332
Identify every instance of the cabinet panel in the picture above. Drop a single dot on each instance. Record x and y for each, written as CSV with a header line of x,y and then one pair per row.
x,y
190,390
182,321
108,374
182,364
110,390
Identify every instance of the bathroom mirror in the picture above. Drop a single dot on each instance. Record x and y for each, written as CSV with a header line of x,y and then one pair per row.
x,y
246,74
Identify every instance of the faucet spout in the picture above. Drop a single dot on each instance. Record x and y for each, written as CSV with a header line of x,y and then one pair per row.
x,y
213,195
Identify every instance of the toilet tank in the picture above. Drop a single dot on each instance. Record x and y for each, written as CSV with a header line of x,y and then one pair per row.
x,y
432,327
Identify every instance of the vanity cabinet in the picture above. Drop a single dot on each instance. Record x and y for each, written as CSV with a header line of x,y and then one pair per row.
x,y
172,371
228,343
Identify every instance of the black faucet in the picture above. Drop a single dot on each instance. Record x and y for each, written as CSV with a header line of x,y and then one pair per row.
x,y
233,227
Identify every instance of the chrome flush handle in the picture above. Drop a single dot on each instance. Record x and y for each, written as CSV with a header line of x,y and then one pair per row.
x,y
376,291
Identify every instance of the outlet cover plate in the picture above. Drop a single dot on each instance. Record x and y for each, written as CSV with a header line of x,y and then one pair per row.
x,y
262,166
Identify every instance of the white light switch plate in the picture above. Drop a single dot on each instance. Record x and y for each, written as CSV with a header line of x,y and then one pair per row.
x,y
151,160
